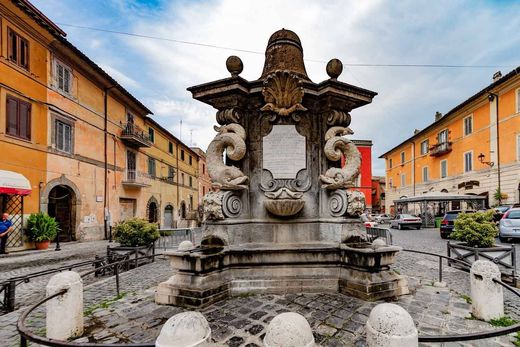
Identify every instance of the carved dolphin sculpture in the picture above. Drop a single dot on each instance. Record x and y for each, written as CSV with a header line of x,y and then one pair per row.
x,y
231,139
336,145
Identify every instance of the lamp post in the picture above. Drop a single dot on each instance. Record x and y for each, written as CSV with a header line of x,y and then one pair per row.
x,y
491,98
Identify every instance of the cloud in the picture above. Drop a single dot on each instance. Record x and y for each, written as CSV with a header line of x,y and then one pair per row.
x,y
378,32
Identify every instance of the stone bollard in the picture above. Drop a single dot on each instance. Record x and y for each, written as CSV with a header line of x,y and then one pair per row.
x,y
64,318
487,297
185,246
186,329
289,329
390,325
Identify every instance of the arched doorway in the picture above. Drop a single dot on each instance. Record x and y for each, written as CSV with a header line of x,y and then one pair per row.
x,y
168,217
152,212
61,201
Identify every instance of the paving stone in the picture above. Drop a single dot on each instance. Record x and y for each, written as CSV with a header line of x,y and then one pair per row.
x,y
235,341
326,330
255,329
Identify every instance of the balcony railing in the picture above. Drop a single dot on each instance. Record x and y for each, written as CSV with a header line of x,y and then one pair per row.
x,y
137,179
440,149
135,136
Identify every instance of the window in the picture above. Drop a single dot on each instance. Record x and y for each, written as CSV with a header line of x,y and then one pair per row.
x,y
403,180
468,125
151,134
390,183
182,154
191,202
518,147
402,157
182,178
63,136
468,161
444,168
151,167
442,137
191,181
63,77
18,50
18,119
204,167
425,174
171,173
390,163
170,147
190,159
424,147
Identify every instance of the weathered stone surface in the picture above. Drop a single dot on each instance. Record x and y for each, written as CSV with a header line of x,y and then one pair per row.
x,y
289,330
185,329
487,297
64,317
389,325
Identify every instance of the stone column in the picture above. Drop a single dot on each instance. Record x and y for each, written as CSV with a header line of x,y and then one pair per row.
x,y
64,318
487,297
186,329
289,329
390,325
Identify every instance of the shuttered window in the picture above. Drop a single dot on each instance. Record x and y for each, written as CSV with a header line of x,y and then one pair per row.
x,y
63,77
18,120
151,167
63,136
18,49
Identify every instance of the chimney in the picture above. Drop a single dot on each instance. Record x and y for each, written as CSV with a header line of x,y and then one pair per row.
x,y
438,115
416,131
497,75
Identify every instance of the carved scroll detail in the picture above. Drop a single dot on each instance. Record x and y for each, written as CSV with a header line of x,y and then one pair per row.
x,y
338,202
220,205
335,178
231,205
340,118
228,116
230,138
283,93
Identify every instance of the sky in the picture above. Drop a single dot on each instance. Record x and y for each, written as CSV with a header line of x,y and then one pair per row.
x,y
157,72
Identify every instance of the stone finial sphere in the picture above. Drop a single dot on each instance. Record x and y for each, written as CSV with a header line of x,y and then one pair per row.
x,y
185,246
184,329
378,243
234,65
392,320
334,68
289,329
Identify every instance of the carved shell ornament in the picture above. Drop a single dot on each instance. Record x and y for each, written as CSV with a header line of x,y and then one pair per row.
x,y
231,139
336,145
283,93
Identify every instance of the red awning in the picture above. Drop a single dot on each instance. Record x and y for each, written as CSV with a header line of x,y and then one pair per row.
x,y
14,183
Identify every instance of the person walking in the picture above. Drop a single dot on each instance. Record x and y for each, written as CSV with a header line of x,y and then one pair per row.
x,y
5,228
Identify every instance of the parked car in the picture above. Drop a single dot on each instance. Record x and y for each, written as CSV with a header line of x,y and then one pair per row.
x,y
509,227
383,218
448,222
406,221
500,211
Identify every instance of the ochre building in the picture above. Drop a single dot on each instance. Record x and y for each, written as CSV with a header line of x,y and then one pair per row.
x,y
89,151
472,149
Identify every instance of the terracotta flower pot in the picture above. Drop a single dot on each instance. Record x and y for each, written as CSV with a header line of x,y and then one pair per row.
x,y
42,245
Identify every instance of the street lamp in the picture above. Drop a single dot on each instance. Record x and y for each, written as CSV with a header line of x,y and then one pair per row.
x,y
491,98
481,157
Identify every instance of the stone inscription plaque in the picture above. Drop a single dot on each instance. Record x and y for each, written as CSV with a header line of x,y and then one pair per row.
x,y
284,151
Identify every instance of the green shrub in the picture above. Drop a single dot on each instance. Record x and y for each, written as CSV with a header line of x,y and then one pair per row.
x,y
476,229
41,227
136,232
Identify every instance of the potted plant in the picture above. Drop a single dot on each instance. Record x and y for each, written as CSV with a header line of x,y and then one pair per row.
x,y
136,237
477,232
41,229
499,196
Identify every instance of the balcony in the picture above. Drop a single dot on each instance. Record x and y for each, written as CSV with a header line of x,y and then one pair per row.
x,y
440,149
134,136
136,179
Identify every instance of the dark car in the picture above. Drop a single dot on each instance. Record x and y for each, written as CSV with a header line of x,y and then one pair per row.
x,y
448,222
500,211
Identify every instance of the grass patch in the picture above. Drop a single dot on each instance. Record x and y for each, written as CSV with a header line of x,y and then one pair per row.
x,y
41,331
503,322
103,304
467,298
516,340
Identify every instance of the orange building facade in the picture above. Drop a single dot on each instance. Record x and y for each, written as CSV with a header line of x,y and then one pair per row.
x,y
89,149
473,149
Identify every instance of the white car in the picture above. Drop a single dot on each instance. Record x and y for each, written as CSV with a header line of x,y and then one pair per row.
x,y
406,221
510,225
383,218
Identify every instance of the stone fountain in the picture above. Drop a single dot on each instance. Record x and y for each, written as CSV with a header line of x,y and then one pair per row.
x,y
283,213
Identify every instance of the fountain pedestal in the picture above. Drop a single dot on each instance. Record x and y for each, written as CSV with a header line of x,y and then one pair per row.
x,y
283,213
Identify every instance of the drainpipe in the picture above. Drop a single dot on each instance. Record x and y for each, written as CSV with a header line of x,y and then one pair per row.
x,y
105,130
491,97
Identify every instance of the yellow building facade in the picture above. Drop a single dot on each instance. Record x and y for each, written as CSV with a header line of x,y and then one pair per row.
x,y
473,149
89,149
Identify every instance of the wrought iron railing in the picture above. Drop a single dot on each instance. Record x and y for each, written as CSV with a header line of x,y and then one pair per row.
x,y
440,148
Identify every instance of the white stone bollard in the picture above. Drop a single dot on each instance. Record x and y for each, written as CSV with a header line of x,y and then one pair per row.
x,y
186,329
390,325
65,313
487,297
289,329
185,246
